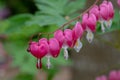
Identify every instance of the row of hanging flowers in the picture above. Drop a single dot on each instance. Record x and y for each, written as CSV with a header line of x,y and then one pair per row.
x,y
71,38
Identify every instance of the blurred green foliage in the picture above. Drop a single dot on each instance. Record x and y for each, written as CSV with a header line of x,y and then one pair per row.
x,y
51,15
19,28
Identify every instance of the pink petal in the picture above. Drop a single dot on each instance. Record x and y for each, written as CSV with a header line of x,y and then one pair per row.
x,y
38,51
118,73
54,47
91,23
59,36
89,20
98,78
95,11
118,1
113,75
84,20
111,10
34,49
104,11
68,37
77,30
42,50
101,78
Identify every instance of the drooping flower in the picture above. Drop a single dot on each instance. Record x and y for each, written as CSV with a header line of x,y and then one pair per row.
x,y
106,14
39,50
54,49
113,75
103,77
65,40
95,10
118,1
89,24
77,34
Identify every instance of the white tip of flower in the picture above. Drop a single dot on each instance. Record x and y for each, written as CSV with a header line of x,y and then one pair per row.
x,y
102,26
89,36
108,24
48,62
78,45
65,53
38,62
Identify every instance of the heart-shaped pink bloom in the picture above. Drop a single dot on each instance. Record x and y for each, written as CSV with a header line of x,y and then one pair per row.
x,y
77,31
38,50
89,21
114,75
59,36
77,34
95,11
64,38
111,10
118,1
68,37
89,24
101,78
54,47
106,10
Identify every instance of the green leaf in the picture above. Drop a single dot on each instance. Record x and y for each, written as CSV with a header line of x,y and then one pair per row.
x,y
44,20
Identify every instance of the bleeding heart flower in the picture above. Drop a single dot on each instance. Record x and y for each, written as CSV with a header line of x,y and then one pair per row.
x,y
54,49
89,24
59,36
114,75
39,50
77,34
101,78
95,11
106,14
118,1
65,40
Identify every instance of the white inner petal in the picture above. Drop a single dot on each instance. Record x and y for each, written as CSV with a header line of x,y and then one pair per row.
x,y
38,62
78,45
102,26
108,24
89,35
48,61
66,52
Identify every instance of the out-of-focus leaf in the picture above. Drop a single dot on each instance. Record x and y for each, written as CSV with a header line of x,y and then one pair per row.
x,y
14,23
43,20
21,58
51,6
55,11
74,6
24,76
4,25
